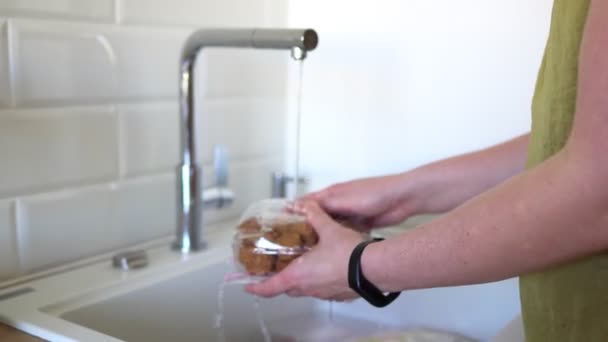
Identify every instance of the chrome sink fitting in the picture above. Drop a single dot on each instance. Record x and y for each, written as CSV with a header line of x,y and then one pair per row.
x,y
190,198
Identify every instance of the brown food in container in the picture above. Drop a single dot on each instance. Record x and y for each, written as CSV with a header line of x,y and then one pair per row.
x,y
269,238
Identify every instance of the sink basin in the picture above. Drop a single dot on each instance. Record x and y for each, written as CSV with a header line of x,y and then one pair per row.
x,y
175,298
186,309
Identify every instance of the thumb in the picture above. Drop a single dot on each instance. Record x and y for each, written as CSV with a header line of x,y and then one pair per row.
x,y
320,221
270,287
321,197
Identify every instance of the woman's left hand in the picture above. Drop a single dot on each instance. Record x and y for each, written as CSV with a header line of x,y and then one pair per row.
x,y
323,271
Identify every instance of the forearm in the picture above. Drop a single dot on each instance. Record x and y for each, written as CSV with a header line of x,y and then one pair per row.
x,y
543,217
551,214
443,185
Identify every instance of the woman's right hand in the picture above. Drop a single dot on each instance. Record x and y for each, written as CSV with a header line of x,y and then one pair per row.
x,y
367,203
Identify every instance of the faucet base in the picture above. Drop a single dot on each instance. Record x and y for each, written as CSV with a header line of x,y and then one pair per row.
x,y
189,230
180,247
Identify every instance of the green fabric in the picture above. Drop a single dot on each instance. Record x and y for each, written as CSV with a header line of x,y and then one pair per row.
x,y
568,303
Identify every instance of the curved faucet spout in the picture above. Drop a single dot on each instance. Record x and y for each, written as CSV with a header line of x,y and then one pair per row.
x,y
189,175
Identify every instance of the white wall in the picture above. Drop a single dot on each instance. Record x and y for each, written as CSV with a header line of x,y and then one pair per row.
x,y
395,84
89,121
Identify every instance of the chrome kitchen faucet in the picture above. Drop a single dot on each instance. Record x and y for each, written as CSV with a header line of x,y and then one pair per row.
x,y
190,198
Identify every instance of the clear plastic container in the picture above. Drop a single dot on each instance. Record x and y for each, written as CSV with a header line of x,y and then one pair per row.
x,y
269,238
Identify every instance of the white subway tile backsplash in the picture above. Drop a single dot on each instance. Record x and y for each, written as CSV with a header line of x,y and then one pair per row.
x,y
85,62
240,13
89,120
65,9
5,90
74,224
67,226
242,72
149,135
61,63
275,13
147,61
105,63
49,148
248,128
145,208
8,248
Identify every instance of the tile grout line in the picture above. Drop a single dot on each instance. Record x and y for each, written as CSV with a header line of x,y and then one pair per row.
x,y
50,16
121,167
114,19
66,189
137,101
20,223
11,62
118,19
267,11
88,104
13,246
78,187
121,144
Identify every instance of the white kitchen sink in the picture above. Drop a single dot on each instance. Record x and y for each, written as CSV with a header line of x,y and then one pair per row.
x,y
174,298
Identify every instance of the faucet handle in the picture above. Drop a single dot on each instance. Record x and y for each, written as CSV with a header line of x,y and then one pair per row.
x,y
219,195
220,166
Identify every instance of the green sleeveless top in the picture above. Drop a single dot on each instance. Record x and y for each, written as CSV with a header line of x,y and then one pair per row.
x,y
568,303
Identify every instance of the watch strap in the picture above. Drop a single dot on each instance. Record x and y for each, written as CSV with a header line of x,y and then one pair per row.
x,y
361,285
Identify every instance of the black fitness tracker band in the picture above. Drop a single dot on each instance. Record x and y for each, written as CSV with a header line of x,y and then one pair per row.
x,y
360,284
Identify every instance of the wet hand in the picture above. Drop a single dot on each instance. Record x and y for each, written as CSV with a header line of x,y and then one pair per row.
x,y
367,203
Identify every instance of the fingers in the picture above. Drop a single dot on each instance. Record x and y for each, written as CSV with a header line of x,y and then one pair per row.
x,y
285,283
271,287
390,217
345,297
295,293
336,295
318,218
332,199
314,196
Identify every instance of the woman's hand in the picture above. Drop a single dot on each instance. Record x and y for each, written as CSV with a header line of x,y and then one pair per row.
x,y
434,188
323,271
370,202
